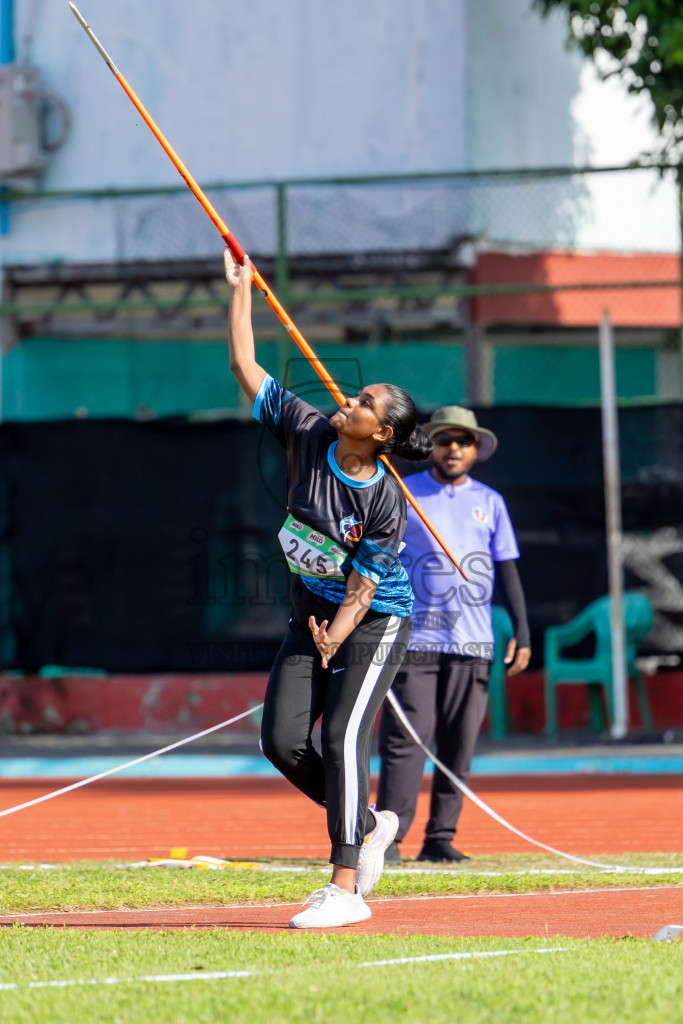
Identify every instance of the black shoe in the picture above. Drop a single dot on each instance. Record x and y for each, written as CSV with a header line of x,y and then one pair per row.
x,y
392,855
440,851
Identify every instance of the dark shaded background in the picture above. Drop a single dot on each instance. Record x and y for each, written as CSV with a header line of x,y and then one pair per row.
x,y
136,547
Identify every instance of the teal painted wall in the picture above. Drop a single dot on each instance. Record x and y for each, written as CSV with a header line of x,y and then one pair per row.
x,y
567,376
53,379
432,372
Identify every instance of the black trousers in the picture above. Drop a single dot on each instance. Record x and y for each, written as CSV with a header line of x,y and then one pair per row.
x,y
444,696
346,696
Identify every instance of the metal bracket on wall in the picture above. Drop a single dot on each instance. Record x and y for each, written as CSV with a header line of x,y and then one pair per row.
x,y
376,297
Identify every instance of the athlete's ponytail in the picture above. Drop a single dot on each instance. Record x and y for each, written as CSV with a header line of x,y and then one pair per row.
x,y
408,441
417,447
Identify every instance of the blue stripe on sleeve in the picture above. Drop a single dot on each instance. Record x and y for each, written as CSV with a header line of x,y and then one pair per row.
x,y
260,396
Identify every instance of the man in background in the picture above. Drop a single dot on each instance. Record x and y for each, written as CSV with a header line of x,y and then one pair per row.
x,y
443,682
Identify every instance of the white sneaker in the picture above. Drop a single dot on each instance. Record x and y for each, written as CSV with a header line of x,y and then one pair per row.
x,y
331,907
371,857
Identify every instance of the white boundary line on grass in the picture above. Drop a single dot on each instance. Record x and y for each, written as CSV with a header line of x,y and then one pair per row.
x,y
461,956
214,863
11,986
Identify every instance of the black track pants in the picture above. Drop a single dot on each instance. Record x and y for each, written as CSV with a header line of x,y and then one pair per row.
x,y
445,696
346,697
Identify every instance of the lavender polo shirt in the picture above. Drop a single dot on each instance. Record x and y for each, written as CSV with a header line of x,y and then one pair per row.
x,y
449,614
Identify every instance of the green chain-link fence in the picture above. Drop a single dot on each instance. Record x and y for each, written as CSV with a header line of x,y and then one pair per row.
x,y
481,287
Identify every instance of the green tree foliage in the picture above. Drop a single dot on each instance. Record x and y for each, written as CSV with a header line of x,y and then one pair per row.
x,y
641,41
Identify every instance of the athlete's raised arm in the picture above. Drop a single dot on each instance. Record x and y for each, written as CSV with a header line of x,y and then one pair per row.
x,y
240,331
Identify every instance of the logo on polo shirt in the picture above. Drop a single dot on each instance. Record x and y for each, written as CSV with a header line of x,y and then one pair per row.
x,y
351,528
479,514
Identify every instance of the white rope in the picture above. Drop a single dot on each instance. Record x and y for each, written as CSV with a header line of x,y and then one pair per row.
x,y
128,764
393,700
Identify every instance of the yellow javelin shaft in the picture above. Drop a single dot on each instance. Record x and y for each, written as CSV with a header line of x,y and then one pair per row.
x,y
239,254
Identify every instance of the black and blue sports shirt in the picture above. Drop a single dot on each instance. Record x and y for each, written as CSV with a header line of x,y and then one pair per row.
x,y
363,522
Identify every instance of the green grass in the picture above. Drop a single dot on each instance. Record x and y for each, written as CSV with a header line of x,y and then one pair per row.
x,y
329,978
91,885
320,977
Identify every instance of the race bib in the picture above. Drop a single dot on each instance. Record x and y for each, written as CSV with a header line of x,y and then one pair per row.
x,y
310,553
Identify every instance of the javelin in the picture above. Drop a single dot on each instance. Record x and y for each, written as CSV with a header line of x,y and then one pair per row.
x,y
239,254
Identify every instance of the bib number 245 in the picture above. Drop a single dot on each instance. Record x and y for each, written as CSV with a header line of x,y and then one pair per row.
x,y
309,552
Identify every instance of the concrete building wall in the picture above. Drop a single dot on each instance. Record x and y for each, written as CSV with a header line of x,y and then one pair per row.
x,y
531,102
521,82
273,90
243,92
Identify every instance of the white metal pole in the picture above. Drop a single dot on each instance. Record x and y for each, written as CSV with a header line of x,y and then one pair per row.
x,y
610,454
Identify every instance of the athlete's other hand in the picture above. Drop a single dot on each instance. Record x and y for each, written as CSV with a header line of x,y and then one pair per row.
x,y
325,644
516,657
236,274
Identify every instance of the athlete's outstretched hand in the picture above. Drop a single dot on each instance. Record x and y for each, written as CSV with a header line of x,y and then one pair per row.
x,y
327,647
234,273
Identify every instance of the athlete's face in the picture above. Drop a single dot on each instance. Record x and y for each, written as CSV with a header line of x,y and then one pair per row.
x,y
361,416
454,452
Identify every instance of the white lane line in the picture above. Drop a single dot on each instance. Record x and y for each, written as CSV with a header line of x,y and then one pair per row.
x,y
150,910
12,986
462,872
526,895
472,873
376,899
461,956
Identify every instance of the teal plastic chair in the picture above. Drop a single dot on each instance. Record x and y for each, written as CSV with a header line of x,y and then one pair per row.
x,y
596,672
498,708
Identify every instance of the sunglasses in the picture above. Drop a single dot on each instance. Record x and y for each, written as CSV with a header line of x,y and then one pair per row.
x,y
446,440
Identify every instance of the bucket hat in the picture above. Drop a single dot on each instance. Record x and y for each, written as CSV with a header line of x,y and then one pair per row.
x,y
454,417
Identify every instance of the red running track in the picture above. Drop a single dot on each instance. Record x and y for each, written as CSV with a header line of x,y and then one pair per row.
x,y
583,914
245,818
590,816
